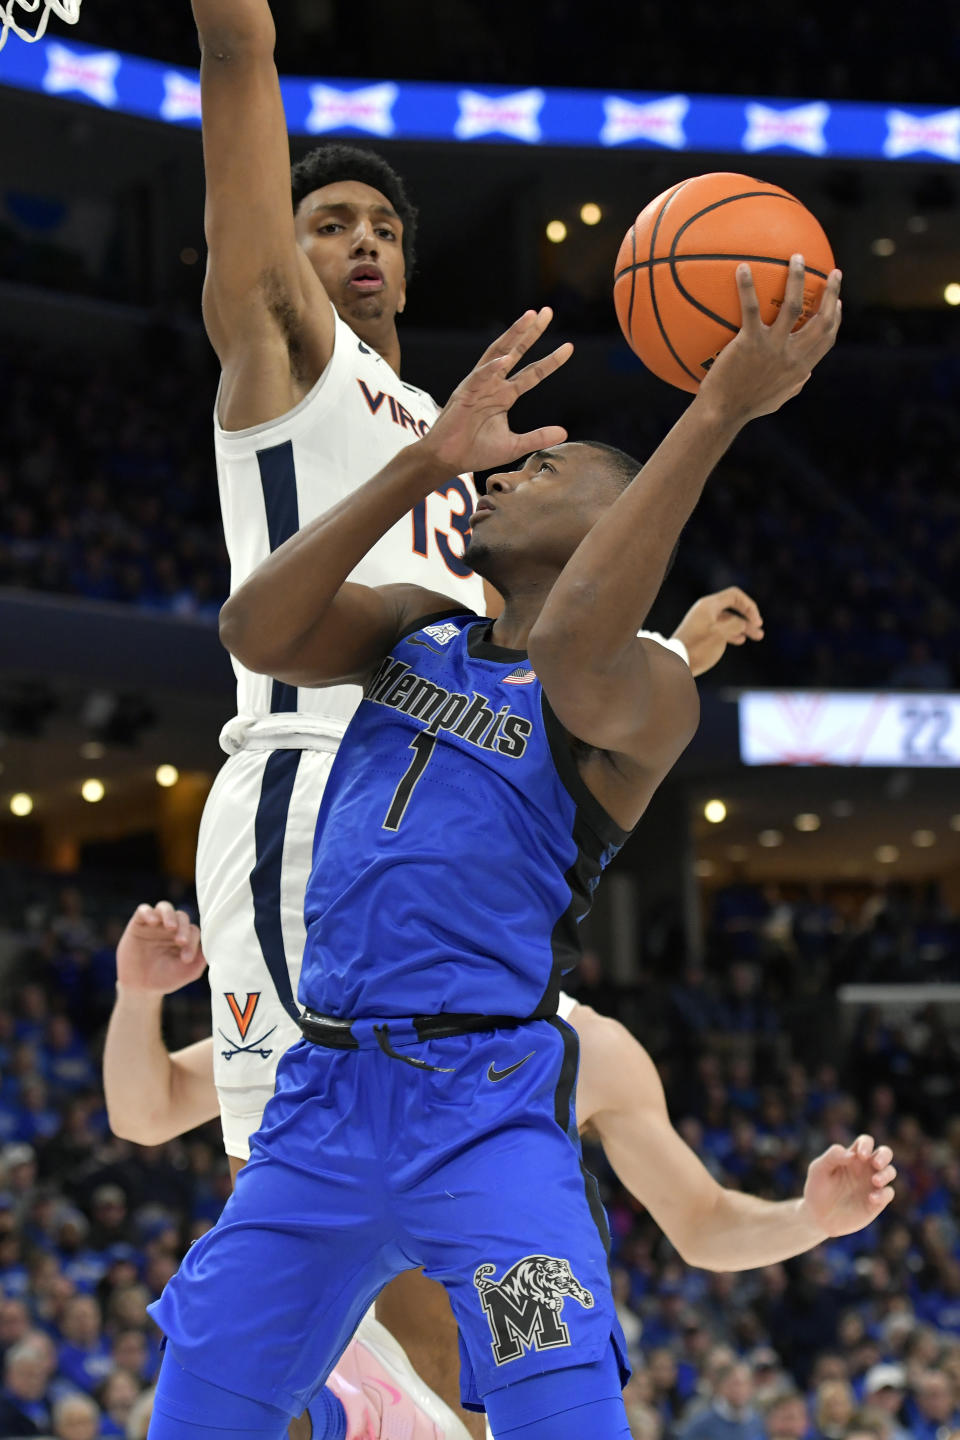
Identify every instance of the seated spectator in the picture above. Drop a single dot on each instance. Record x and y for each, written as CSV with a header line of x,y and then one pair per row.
x,y
25,1401
932,1408
884,1389
117,1395
14,1324
76,1417
84,1354
833,1409
730,1414
785,1415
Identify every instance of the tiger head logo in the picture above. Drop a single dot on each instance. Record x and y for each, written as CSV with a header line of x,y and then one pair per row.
x,y
524,1309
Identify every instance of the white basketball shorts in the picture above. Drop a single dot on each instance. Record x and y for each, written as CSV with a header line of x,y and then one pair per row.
x,y
254,854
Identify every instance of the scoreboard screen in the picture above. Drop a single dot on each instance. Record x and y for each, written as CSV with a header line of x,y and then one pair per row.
x,y
829,727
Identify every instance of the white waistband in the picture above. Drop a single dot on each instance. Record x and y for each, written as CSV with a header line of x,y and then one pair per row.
x,y
291,740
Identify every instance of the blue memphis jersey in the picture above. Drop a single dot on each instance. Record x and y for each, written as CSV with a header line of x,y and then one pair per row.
x,y
457,846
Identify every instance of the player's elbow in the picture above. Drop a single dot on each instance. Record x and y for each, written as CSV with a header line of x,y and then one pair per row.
x,y
140,1127
242,636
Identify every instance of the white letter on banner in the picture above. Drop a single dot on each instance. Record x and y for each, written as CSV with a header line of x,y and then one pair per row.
x,y
90,75
800,128
369,109
181,97
517,116
935,134
660,121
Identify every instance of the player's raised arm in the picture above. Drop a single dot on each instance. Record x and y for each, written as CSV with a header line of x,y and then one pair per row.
x,y
296,617
261,294
610,690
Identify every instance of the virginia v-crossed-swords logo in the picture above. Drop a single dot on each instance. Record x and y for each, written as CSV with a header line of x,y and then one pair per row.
x,y
524,1308
244,1017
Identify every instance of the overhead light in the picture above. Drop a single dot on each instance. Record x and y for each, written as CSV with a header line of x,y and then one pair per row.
x,y
189,255
703,869
923,839
770,839
21,804
167,775
883,246
92,791
590,213
842,809
951,293
806,821
715,811
918,224
556,231
92,750
886,854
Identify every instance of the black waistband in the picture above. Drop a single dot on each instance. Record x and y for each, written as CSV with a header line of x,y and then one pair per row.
x,y
337,1034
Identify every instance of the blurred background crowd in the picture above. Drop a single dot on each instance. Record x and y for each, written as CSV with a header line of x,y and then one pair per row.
x,y
861,1336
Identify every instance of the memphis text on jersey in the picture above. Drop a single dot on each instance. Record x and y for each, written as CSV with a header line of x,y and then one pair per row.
x,y
471,717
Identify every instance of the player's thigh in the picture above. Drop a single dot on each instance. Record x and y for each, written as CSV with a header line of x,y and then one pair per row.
x,y
509,1220
265,1302
253,861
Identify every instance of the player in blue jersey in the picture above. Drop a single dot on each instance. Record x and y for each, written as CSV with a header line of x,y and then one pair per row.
x,y
490,772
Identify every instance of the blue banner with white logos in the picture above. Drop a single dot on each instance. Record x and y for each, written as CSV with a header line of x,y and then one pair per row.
x,y
534,116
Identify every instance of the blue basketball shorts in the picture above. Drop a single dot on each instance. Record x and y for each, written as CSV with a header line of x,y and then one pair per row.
x,y
366,1166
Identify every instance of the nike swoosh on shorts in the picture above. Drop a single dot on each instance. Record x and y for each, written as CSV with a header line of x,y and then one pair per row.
x,y
494,1074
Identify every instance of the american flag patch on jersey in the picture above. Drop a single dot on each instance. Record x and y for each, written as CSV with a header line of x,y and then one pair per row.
x,y
521,676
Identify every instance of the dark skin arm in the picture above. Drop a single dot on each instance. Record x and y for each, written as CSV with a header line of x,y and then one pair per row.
x,y
263,304
297,618
631,700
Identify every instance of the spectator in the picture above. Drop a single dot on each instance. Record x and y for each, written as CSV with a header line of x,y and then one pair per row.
x,y
833,1409
25,1402
76,1417
730,1414
934,1407
84,1355
117,1395
785,1415
884,1390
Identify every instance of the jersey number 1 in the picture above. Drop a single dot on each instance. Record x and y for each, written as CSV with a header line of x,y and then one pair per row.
x,y
422,746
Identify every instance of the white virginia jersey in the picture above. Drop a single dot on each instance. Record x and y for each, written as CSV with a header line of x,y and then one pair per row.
x,y
277,477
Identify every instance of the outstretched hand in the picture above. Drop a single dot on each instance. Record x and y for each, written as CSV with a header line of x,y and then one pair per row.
x,y
847,1187
159,950
766,365
472,432
728,617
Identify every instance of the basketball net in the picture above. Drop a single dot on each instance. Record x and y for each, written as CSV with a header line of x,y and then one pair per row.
x,y
68,10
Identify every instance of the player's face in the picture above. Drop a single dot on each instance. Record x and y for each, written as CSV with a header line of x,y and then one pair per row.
x,y
539,513
353,238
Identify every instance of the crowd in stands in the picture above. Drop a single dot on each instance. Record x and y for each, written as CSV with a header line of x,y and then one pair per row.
x,y
110,493
558,42
860,1338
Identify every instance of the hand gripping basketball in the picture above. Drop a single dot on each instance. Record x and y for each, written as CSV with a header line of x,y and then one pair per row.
x,y
472,432
766,365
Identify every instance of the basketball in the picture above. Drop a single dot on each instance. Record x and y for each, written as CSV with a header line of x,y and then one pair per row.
x,y
675,287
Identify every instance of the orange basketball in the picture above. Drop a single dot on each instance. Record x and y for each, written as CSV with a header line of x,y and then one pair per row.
x,y
675,285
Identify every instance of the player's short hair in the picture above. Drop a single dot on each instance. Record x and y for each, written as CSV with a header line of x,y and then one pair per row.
x,y
329,163
621,467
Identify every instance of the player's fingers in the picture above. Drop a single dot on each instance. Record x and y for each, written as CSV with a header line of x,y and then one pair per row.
x,y
882,1157
167,914
733,598
529,336
885,1177
820,332
862,1146
792,307
880,1198
541,439
191,948
534,373
146,915
749,304
183,927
